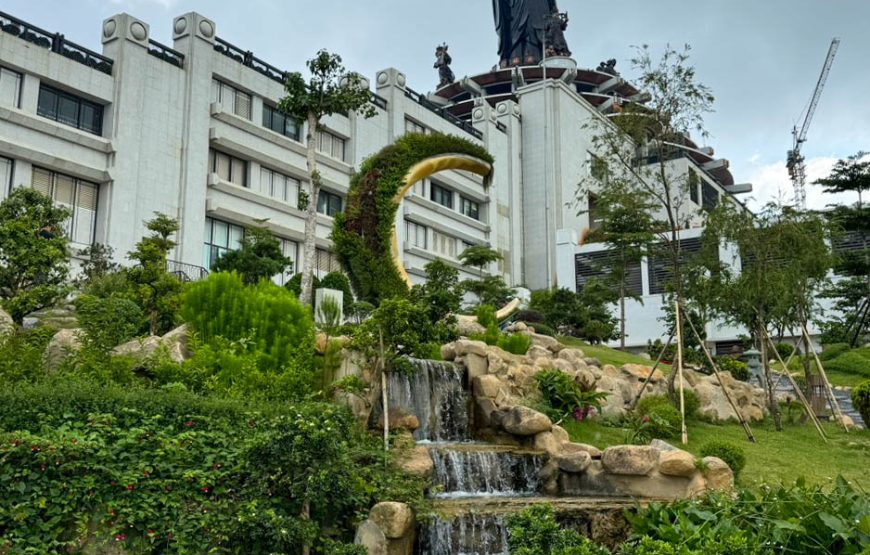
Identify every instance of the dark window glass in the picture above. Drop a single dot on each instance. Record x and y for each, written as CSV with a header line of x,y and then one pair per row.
x,y
47,104
442,196
692,182
470,208
709,196
70,110
328,203
278,122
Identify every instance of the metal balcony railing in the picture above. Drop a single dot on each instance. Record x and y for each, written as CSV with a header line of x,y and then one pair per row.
x,y
441,111
165,53
186,272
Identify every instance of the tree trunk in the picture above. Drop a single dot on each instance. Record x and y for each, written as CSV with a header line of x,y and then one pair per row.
x,y
622,315
309,248
773,405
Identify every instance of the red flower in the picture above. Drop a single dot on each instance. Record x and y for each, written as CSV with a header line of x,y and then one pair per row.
x,y
205,489
645,419
189,423
120,537
145,473
130,487
43,467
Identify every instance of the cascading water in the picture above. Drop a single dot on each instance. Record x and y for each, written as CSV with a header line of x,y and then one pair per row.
x,y
470,534
436,393
464,472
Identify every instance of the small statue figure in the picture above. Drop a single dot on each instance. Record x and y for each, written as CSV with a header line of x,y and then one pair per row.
x,y
556,43
608,67
442,64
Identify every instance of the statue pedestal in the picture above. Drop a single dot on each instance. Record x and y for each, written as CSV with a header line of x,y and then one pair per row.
x,y
559,62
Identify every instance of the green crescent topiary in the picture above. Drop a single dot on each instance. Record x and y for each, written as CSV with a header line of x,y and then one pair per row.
x,y
362,235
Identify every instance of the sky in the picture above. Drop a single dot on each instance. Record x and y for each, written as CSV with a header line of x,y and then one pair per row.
x,y
761,58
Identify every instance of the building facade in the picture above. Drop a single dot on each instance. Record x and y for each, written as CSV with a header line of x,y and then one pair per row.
x,y
192,131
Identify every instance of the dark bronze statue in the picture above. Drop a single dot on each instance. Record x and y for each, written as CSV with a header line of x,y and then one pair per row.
x,y
608,67
442,64
524,26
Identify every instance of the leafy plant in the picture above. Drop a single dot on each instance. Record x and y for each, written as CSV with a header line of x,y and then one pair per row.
x,y
259,256
390,323
565,397
856,362
328,315
107,322
21,354
157,292
784,350
339,282
733,455
534,531
515,343
739,369
832,351
861,400
441,293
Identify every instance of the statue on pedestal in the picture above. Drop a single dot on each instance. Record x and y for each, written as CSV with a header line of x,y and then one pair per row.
x,y
523,26
442,64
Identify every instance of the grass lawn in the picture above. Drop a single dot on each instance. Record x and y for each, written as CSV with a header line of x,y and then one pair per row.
x,y
834,376
609,356
776,457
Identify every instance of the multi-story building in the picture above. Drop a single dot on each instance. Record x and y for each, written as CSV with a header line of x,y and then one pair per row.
x,y
192,131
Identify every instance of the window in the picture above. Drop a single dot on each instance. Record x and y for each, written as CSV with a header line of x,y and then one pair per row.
x,y
220,238
232,99
419,188
328,203
326,262
594,217
598,168
416,234
412,126
599,264
79,196
444,244
660,275
6,167
692,182
279,186
331,145
70,110
470,208
290,250
709,196
441,195
10,88
228,168
281,123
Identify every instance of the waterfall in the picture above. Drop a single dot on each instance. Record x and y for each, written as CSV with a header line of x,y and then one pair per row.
x,y
469,534
462,472
436,394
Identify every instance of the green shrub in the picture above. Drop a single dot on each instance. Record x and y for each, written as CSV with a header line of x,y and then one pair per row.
x,y
21,354
529,316
728,452
339,282
405,329
535,531
659,417
785,350
486,316
861,400
692,403
648,402
833,350
268,318
855,362
515,343
543,329
739,369
107,322
563,397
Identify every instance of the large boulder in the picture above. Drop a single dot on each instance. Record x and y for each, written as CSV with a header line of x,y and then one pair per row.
x,y
466,346
523,421
582,448
718,474
7,326
635,460
550,343
177,344
399,420
575,462
486,386
61,345
477,365
640,372
370,536
174,345
677,463
394,519
468,325
547,442
138,349
417,461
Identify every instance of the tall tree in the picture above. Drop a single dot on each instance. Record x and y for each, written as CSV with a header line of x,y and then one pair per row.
x,y
156,290
258,257
479,256
329,90
33,253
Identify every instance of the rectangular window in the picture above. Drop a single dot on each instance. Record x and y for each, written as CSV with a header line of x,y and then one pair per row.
x,y
6,167
441,195
598,168
444,245
78,196
592,209
709,196
416,234
692,182
70,110
289,249
279,186
10,88
470,208
419,188
331,144
220,238
229,168
412,126
328,203
231,99
326,262
599,265
660,275
281,123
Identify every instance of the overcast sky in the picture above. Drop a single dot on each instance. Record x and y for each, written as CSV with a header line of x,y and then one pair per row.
x,y
762,58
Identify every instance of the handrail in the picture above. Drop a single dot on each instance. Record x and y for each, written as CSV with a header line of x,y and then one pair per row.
x,y
432,107
247,58
165,53
379,101
55,42
186,272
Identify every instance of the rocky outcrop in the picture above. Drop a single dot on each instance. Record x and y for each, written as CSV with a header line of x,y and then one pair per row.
x,y
389,530
635,460
400,420
174,344
718,474
417,461
523,421
64,343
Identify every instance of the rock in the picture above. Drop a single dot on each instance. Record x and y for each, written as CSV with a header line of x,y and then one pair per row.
x,y
176,344
495,364
417,461
560,434
547,442
468,325
61,345
645,356
585,379
574,462
662,445
448,352
592,361
523,421
7,326
477,365
563,365
581,448
321,342
718,474
466,346
370,536
394,519
636,460
848,421
640,372
697,485
677,463
549,476
518,327
537,351
572,355
483,409
138,349
400,420
550,343
486,386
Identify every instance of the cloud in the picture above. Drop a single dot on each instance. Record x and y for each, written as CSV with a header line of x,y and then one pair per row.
x,y
771,183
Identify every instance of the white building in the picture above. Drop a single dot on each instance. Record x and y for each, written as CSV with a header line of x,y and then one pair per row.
x,y
191,131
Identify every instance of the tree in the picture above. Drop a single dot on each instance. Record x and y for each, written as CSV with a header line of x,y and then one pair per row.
x,y
441,293
479,256
329,90
489,290
628,229
33,253
156,290
639,145
258,257
785,260
98,263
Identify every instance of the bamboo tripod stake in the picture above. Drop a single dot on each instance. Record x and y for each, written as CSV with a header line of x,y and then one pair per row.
x,y
835,405
713,365
684,433
650,375
800,394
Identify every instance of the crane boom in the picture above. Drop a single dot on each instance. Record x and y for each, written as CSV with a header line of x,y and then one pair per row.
x,y
795,160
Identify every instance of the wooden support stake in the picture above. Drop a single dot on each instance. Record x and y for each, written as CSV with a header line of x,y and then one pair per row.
x,y
384,394
684,433
649,376
740,418
835,406
800,394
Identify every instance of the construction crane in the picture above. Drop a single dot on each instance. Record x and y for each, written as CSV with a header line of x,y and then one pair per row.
x,y
797,169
